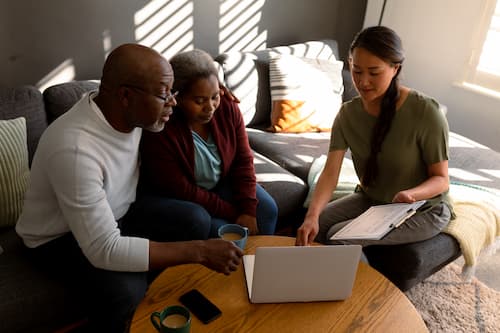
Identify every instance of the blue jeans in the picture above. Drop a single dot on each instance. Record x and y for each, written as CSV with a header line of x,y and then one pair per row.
x,y
165,219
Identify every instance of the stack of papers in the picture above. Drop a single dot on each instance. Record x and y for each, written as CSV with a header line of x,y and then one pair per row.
x,y
377,221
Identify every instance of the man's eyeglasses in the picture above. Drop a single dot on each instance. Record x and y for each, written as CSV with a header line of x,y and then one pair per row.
x,y
165,99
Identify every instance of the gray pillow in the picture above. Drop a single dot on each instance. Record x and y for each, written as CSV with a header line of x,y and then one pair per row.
x,y
61,97
27,102
14,171
246,74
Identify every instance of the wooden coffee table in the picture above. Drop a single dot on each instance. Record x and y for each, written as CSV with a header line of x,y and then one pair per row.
x,y
376,305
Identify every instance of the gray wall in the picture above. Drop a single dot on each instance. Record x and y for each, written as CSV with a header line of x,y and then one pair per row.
x,y
41,38
438,37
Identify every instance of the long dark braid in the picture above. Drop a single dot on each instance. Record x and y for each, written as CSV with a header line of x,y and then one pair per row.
x,y
385,44
380,130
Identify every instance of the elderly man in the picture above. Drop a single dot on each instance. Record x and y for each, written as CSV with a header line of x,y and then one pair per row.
x,y
83,183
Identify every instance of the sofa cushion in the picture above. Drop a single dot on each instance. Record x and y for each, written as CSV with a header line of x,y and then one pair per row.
x,y
27,102
286,189
347,182
14,170
246,74
61,97
473,163
293,152
306,94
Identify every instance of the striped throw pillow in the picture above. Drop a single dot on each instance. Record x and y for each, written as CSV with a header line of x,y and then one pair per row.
x,y
306,93
14,169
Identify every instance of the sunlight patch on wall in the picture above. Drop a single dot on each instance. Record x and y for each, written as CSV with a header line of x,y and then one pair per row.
x,y
239,26
107,45
466,175
166,26
65,72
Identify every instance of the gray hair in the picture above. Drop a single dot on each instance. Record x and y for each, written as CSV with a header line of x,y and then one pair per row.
x,y
191,66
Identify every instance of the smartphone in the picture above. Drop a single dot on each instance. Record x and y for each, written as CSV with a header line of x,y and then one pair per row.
x,y
200,306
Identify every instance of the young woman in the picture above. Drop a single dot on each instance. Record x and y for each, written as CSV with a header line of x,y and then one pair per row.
x,y
198,172
398,140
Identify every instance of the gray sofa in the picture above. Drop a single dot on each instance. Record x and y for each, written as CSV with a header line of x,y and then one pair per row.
x,y
404,265
30,300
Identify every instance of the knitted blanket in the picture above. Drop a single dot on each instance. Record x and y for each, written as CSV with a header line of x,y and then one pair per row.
x,y
477,225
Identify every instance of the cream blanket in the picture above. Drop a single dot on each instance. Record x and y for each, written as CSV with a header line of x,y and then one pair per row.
x,y
477,226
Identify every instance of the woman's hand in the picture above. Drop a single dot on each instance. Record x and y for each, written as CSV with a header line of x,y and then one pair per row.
x,y
437,183
404,196
307,232
248,221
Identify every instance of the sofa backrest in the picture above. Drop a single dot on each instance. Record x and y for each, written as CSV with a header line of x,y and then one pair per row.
x,y
27,102
246,74
39,109
61,97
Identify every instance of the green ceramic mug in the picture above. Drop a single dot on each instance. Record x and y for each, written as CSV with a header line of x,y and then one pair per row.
x,y
173,319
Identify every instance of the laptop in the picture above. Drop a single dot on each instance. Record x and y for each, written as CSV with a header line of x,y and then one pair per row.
x,y
301,273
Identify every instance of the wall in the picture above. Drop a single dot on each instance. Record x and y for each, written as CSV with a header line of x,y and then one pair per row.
x,y
437,36
51,41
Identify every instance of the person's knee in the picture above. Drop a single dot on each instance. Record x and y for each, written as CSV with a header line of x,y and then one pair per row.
x,y
267,212
128,289
198,221
270,208
116,299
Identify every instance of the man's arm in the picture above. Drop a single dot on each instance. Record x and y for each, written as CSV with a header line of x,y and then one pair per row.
x,y
77,180
220,255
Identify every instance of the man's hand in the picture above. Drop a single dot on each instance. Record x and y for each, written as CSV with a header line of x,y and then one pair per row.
x,y
220,255
248,221
307,232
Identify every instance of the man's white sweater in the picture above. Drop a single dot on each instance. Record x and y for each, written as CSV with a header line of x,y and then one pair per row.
x,y
83,179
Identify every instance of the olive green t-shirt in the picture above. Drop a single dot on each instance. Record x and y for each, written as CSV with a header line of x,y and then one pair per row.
x,y
418,137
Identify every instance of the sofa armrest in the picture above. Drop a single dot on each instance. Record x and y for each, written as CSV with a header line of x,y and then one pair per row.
x,y
407,264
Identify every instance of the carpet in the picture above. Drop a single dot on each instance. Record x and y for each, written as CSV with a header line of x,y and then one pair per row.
x,y
449,304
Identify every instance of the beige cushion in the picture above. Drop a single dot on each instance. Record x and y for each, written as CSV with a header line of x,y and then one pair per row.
x,y
14,170
306,93
348,180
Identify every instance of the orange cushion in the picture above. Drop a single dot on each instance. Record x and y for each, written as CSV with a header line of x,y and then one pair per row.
x,y
306,93
295,117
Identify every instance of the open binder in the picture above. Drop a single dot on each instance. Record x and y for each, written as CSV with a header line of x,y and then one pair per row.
x,y
377,221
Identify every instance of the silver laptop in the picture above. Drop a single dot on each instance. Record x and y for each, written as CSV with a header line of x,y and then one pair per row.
x,y
301,273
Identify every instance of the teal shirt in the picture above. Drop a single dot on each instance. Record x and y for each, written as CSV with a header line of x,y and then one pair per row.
x,y
207,162
418,137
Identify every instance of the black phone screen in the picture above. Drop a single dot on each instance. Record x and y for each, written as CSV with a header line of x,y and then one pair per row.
x,y
200,306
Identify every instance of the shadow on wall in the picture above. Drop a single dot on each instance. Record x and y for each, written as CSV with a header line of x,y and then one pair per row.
x,y
58,41
70,39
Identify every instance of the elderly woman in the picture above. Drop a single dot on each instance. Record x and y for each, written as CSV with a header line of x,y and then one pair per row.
x,y
198,173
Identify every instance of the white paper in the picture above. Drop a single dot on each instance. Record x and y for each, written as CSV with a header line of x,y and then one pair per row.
x,y
377,221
